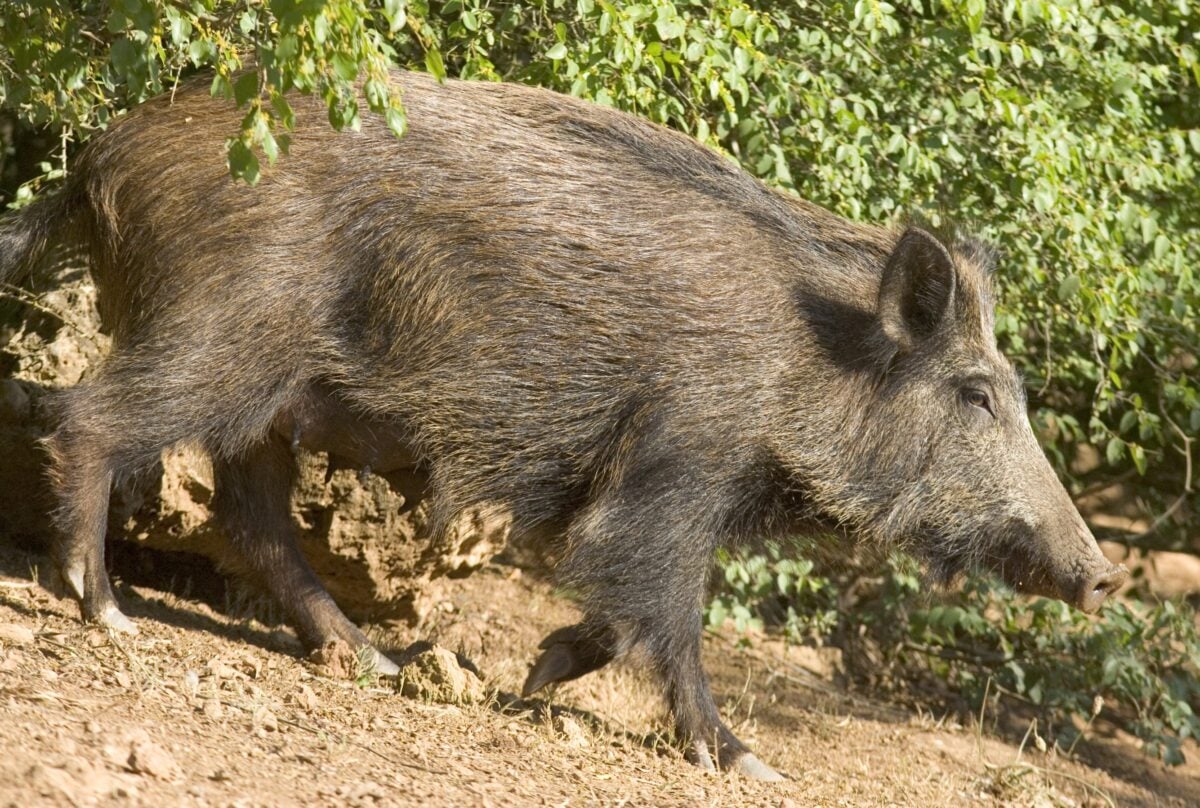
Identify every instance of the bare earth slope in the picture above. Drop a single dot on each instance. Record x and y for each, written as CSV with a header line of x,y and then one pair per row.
x,y
207,709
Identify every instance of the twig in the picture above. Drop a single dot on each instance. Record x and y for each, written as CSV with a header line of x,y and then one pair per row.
x,y
1100,485
1030,767
22,296
956,654
979,727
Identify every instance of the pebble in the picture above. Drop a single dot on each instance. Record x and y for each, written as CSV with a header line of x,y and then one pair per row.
x,y
213,709
571,731
306,698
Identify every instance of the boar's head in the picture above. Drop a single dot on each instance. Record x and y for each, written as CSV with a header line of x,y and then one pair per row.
x,y
933,447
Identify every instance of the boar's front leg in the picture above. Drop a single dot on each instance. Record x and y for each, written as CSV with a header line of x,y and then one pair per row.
x,y
653,589
252,502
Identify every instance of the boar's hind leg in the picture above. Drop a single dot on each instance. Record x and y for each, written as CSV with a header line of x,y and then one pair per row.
x,y
251,500
83,458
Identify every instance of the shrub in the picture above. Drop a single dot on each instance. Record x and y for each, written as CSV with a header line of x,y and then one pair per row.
x,y
1138,662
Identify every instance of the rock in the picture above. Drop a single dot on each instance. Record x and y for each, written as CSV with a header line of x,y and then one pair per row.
x,y
213,709
13,634
571,731
147,757
305,699
266,719
336,660
432,673
77,782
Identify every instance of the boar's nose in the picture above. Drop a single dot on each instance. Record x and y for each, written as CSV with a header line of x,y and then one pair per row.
x,y
1095,588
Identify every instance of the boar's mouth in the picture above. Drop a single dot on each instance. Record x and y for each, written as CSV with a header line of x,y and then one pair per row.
x,y
1017,567
1014,556
1020,570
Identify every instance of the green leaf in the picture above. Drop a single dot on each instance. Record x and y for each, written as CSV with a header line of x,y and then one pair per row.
x,y
396,121
434,64
394,12
125,56
559,51
670,28
1115,451
1139,457
242,162
345,67
1068,287
269,146
245,88
201,52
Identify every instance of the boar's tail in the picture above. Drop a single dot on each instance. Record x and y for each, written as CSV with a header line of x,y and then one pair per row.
x,y
25,234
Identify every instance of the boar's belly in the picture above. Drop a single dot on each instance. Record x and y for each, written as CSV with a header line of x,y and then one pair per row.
x,y
322,422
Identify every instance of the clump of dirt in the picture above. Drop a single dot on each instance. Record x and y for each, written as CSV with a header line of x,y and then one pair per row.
x,y
337,660
434,674
367,537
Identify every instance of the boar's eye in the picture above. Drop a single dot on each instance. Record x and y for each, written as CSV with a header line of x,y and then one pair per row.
x,y
978,398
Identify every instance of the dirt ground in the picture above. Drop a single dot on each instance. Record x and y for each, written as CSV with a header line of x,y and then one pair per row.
x,y
210,705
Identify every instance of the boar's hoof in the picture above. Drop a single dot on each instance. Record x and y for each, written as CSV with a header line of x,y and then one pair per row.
x,y
97,605
749,765
556,664
115,619
384,666
568,653
699,757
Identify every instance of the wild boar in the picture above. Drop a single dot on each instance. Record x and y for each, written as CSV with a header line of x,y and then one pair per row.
x,y
638,348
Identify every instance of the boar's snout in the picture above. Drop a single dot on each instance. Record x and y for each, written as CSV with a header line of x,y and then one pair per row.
x,y
1094,588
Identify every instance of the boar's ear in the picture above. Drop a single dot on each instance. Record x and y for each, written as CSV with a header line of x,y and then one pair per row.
x,y
917,289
